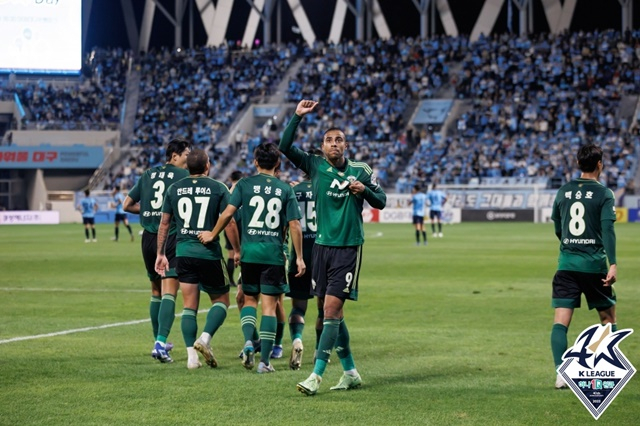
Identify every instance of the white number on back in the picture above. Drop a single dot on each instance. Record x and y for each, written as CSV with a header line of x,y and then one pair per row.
x,y
576,224
185,210
156,203
272,218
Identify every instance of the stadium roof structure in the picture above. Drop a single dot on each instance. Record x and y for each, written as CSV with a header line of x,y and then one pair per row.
x,y
371,18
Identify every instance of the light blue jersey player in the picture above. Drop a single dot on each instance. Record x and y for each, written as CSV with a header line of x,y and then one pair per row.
x,y
418,201
437,199
88,207
121,216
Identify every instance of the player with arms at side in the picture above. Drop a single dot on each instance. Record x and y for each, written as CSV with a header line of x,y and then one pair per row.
x,y
195,203
418,200
121,216
145,199
88,207
341,187
437,200
269,206
583,215
301,289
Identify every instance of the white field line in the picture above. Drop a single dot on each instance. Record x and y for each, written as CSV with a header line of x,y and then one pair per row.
x,y
75,290
81,330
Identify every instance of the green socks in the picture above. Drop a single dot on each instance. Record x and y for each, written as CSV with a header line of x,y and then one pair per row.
x,y
154,310
166,315
215,318
189,325
328,339
343,349
268,327
558,343
248,320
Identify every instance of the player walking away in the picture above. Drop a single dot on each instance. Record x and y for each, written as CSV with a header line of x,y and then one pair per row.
x,y
269,206
418,200
121,216
195,204
341,186
583,214
88,206
437,200
234,177
301,288
145,199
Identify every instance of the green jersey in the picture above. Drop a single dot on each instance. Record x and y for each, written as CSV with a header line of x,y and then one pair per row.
x,y
306,202
196,204
339,211
268,205
150,191
584,212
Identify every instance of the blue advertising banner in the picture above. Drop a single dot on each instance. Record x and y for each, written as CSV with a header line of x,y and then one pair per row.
x,y
51,157
433,111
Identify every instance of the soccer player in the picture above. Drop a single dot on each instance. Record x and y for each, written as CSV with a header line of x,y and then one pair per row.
x,y
341,187
269,206
300,288
195,204
145,199
418,199
583,214
437,199
121,216
88,206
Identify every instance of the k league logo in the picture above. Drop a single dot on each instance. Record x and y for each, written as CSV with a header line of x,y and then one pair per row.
x,y
595,369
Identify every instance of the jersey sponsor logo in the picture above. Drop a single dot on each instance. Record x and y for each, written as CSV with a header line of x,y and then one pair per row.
x,y
262,232
595,369
579,241
340,185
337,194
150,214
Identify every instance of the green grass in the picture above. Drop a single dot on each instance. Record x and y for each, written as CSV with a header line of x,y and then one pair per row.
x,y
453,333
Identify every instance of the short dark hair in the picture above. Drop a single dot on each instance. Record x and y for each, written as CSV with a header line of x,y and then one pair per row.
x,y
331,129
87,192
117,187
416,187
267,155
588,157
197,161
177,146
236,175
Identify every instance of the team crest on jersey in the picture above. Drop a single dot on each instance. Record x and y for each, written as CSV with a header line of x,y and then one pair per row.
x,y
595,369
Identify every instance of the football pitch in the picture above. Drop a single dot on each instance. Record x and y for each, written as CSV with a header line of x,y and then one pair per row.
x,y
455,332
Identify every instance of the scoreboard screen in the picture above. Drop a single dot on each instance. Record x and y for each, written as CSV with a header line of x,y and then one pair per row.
x,y
41,36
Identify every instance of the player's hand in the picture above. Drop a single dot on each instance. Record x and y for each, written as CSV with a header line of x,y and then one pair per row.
x,y
205,237
301,267
162,264
236,258
293,183
611,276
305,107
356,187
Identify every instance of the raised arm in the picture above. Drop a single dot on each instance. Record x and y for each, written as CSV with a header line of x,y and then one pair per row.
x,y
286,143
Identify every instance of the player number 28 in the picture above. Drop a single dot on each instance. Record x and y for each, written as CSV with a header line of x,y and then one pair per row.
x,y
271,219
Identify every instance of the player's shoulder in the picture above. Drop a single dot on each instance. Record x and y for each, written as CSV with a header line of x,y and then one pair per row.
x,y
359,165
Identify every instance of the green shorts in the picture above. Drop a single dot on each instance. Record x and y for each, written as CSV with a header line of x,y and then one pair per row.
x,y
259,278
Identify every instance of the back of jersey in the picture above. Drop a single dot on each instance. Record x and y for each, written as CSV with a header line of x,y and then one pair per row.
x,y
579,207
196,204
150,191
307,204
268,205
